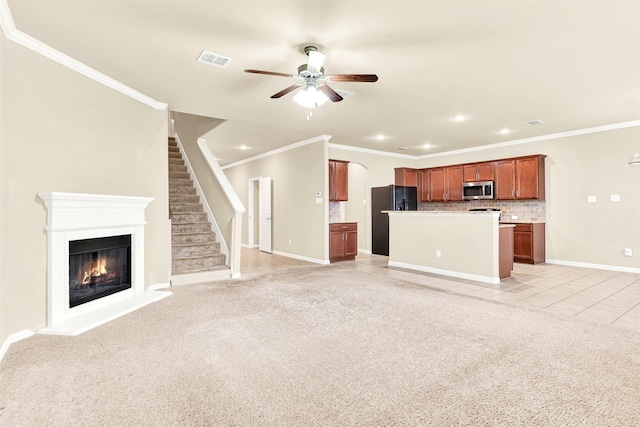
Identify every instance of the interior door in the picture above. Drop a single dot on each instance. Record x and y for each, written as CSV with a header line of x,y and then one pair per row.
x,y
264,213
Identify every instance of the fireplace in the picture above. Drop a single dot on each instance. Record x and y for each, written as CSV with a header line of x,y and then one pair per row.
x,y
98,268
95,260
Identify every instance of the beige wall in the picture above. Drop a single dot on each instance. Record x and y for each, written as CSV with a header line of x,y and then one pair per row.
x,y
296,176
64,132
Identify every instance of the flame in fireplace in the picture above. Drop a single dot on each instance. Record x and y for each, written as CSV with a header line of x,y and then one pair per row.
x,y
98,268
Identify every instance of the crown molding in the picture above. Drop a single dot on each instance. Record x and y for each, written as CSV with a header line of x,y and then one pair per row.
x,y
372,151
304,142
540,138
17,36
585,131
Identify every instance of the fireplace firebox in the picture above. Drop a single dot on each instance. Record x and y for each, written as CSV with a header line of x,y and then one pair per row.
x,y
98,267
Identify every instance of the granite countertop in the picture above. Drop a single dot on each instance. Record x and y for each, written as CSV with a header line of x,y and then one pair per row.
x,y
521,221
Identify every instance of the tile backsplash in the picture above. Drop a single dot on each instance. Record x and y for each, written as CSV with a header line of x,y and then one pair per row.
x,y
336,213
531,210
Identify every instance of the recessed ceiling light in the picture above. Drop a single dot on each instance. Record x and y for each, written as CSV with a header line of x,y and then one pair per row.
x,y
244,147
379,137
459,118
504,131
426,146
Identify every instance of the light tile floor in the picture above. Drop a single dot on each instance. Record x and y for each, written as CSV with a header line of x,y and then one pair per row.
x,y
593,295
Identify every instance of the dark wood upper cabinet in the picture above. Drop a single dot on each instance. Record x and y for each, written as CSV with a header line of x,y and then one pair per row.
x,y
437,185
478,172
518,178
505,184
453,182
424,189
530,178
338,180
406,176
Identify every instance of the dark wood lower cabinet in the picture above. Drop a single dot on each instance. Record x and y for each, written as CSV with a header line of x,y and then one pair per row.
x,y
343,241
528,243
505,251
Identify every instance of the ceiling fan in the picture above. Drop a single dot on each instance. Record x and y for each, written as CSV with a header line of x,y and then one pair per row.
x,y
315,90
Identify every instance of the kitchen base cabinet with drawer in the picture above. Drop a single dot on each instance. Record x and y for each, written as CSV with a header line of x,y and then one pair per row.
x,y
528,243
343,241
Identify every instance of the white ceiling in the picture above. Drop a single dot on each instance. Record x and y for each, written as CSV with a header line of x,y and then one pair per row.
x,y
572,64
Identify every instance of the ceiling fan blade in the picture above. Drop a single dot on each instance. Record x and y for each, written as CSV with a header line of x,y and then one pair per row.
x,y
352,78
331,94
286,91
270,73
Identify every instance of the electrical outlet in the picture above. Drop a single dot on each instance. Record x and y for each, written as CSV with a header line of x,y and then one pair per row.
x,y
289,242
514,216
628,252
438,253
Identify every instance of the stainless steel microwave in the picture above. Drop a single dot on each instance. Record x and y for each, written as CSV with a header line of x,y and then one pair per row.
x,y
477,190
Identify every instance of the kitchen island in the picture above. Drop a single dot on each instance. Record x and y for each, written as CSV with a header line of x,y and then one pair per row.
x,y
458,244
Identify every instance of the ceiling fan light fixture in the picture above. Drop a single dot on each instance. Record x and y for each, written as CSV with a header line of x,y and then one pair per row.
x,y
310,97
316,59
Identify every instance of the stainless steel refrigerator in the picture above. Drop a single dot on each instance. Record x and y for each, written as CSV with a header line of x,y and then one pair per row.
x,y
389,198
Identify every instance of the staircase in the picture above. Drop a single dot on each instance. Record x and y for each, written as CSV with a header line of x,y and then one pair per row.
x,y
195,254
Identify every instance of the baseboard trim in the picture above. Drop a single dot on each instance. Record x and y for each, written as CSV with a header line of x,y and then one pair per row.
x,y
159,286
14,338
302,258
594,266
450,273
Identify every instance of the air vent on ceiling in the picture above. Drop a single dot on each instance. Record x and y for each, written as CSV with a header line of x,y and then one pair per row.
x,y
343,93
534,122
214,59
401,148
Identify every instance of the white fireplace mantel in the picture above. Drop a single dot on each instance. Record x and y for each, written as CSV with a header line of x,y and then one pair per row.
x,y
77,216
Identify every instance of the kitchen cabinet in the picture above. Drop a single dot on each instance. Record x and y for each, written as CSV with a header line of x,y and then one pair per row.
x,y
505,250
453,183
338,180
437,185
520,178
343,241
528,243
424,194
504,185
445,184
406,176
477,172
530,178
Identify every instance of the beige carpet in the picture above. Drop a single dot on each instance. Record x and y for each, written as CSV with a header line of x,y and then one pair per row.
x,y
322,346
